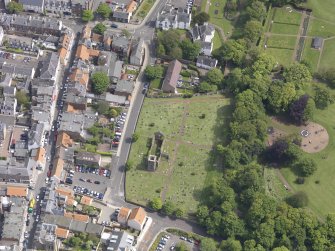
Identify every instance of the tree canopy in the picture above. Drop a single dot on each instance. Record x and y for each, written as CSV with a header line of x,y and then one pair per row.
x,y
201,18
100,28
100,82
153,72
14,7
104,10
87,15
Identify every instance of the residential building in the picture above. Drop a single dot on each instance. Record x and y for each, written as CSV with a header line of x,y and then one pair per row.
x,y
79,5
137,53
121,45
206,48
115,70
124,88
121,16
317,43
15,191
62,233
205,62
13,222
171,18
36,136
137,218
1,35
203,32
116,100
85,200
76,102
64,140
88,159
60,7
123,215
33,5
17,71
9,91
3,132
8,106
30,25
172,76
58,167
47,239
50,66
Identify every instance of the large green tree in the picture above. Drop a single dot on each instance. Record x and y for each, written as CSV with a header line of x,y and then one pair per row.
x,y
14,7
253,30
208,244
322,97
233,51
190,50
153,72
298,74
100,82
280,96
201,18
100,28
256,10
104,10
156,204
214,76
87,15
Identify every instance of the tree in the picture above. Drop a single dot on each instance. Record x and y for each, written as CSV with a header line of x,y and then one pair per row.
x,y
280,96
75,241
214,76
190,50
156,204
176,53
102,107
231,245
87,15
322,97
113,113
22,97
168,208
100,28
304,166
153,72
129,165
301,110
135,137
206,87
327,75
104,10
298,74
282,248
299,199
208,244
201,18
232,50
169,39
14,7
100,82
253,30
181,246
256,10
179,212
232,226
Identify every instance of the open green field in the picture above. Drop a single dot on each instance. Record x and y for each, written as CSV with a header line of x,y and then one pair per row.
x,y
219,19
280,28
282,56
217,42
281,42
322,195
282,15
189,138
273,185
320,28
310,55
322,9
328,54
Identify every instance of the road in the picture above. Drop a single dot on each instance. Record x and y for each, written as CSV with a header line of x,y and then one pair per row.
x,y
146,31
50,150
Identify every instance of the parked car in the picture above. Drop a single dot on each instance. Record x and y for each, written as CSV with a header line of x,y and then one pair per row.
x,y
113,25
97,182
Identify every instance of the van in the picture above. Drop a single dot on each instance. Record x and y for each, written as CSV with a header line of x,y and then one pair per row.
x,y
118,134
71,171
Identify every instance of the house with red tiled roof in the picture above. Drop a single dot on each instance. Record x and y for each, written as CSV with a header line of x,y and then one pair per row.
x,y
137,218
123,215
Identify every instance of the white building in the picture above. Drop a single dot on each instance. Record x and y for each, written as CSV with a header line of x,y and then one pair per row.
x,y
170,18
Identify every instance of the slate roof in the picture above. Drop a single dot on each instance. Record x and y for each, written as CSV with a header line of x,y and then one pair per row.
x,y
37,3
49,67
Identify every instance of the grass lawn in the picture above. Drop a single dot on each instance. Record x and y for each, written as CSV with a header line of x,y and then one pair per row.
x,y
219,19
280,28
144,8
328,54
320,28
217,43
156,83
282,56
322,9
190,164
281,42
322,195
273,185
310,55
282,15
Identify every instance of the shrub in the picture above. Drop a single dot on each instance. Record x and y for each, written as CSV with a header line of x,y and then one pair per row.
x,y
297,200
